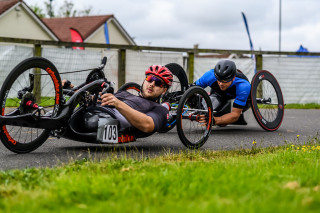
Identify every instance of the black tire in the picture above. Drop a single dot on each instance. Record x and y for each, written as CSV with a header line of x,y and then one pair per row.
x,y
175,92
179,85
131,87
49,96
266,100
193,103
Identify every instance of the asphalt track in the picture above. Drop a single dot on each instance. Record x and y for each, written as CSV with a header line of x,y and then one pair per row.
x,y
53,152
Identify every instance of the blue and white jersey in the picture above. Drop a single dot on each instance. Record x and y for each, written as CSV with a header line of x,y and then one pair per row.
x,y
238,90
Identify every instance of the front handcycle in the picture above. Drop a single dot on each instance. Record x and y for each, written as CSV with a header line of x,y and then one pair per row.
x,y
34,106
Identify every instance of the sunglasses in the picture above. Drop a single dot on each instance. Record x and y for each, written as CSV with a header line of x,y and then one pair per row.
x,y
223,81
158,82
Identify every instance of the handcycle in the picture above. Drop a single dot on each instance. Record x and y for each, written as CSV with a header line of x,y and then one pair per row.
x,y
34,106
265,100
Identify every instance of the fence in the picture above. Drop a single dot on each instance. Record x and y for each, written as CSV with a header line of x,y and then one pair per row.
x,y
298,76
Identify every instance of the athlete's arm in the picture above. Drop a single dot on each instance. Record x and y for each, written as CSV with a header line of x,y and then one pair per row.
x,y
224,120
228,118
206,79
137,119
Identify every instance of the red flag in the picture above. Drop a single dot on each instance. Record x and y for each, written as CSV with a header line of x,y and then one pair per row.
x,y
76,37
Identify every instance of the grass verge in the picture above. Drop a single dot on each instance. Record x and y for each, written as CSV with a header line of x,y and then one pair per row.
x,y
303,106
283,179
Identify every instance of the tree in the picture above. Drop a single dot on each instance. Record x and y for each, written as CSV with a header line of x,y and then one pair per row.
x,y
37,10
49,8
66,10
86,11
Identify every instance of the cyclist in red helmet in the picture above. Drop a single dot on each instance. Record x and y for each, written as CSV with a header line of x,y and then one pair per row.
x,y
143,112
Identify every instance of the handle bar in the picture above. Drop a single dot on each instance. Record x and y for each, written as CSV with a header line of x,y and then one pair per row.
x,y
103,63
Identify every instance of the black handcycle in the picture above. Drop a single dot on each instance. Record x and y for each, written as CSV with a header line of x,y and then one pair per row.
x,y
34,106
265,100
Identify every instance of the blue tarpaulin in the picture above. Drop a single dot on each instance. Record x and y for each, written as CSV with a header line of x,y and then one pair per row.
x,y
302,50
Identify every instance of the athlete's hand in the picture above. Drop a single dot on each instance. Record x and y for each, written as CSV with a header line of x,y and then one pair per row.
x,y
203,120
109,99
66,84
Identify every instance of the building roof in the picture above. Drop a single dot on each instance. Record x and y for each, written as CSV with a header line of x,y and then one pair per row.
x,y
7,4
85,25
59,28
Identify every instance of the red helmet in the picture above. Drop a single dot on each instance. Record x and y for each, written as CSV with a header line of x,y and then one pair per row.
x,y
161,72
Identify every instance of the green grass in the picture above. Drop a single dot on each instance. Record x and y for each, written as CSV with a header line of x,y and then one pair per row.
x,y
15,102
303,106
283,179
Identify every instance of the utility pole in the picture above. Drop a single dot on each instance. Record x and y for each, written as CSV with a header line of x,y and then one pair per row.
x,y
279,25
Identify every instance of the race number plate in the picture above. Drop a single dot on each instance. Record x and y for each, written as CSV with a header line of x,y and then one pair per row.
x,y
110,134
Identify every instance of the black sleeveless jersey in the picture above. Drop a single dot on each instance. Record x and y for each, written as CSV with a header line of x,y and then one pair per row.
x,y
155,110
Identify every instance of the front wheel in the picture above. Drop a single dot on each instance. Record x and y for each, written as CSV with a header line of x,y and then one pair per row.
x,y
194,102
33,86
267,101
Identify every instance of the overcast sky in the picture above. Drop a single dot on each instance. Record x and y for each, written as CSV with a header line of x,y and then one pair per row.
x,y
214,24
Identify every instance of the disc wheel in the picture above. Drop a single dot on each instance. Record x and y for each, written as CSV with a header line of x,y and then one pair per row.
x,y
267,101
194,102
131,87
36,81
175,92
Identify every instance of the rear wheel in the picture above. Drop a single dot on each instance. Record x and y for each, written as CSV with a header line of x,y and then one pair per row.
x,y
179,84
131,87
194,102
175,92
33,81
267,101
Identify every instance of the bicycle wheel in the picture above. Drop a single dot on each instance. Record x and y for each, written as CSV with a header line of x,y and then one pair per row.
x,y
194,102
175,92
179,84
33,81
266,100
131,87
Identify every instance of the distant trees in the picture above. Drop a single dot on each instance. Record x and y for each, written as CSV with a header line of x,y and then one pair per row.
x,y
37,10
66,10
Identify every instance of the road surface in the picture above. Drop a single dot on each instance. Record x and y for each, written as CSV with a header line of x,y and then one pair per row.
x,y
55,152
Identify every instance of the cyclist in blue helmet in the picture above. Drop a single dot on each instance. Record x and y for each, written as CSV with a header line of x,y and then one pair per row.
x,y
227,83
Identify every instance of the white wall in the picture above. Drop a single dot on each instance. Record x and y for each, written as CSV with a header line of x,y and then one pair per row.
x,y
298,77
19,24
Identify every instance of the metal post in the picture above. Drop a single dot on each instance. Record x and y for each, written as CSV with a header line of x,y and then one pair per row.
x,y
279,25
